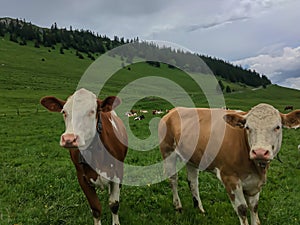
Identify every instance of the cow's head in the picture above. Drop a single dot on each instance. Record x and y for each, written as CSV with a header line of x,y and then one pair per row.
x,y
263,125
81,113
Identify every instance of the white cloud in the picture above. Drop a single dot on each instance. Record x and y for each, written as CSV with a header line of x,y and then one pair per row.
x,y
281,68
293,82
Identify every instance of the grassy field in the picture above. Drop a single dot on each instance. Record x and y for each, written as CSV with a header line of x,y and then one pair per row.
x,y
38,184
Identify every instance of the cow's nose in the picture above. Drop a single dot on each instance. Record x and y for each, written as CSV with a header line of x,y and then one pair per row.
x,y
69,140
260,153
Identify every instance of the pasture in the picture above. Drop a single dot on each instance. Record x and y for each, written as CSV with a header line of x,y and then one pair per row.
x,y
38,183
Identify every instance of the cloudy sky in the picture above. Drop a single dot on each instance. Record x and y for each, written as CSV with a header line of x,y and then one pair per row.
x,y
258,34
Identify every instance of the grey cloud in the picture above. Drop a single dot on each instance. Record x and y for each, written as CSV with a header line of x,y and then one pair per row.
x,y
214,24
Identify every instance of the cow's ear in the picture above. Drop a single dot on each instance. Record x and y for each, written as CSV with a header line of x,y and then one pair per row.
x,y
235,120
291,120
53,104
109,104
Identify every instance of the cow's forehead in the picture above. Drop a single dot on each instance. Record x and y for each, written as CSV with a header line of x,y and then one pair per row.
x,y
81,100
263,115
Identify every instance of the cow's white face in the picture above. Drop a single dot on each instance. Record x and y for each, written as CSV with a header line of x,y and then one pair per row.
x,y
264,131
263,125
80,115
80,119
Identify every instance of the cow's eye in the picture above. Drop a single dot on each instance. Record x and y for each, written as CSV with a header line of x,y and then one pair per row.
x,y
277,128
247,128
92,112
64,113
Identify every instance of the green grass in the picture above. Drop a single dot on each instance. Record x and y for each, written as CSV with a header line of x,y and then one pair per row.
x,y
38,184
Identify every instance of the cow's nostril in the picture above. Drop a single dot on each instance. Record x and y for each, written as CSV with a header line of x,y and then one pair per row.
x,y
267,153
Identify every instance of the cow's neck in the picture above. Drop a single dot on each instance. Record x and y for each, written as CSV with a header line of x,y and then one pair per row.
x,y
261,171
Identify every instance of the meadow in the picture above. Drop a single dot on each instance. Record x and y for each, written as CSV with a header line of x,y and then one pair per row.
x,y
38,184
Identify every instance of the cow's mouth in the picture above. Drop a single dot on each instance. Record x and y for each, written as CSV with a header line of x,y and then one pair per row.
x,y
262,163
70,146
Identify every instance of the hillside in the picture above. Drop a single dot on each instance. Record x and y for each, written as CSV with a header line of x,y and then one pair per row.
x,y
86,43
27,73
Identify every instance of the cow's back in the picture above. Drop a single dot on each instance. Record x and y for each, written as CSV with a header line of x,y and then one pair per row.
x,y
198,132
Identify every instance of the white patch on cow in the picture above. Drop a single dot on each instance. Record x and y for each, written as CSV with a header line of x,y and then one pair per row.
x,y
239,199
218,174
80,118
113,123
239,195
113,112
97,221
103,180
252,184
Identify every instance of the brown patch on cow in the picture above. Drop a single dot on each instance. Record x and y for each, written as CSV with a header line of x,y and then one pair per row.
x,y
291,120
235,120
255,209
109,104
96,214
53,104
242,211
114,207
196,203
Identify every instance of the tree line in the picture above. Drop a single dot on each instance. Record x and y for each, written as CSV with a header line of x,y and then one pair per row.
x,y
235,73
85,41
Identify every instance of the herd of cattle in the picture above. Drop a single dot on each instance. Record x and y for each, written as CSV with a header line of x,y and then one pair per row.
x,y
237,146
140,115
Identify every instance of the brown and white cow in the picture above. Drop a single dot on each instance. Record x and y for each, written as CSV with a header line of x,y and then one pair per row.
x,y
97,142
238,152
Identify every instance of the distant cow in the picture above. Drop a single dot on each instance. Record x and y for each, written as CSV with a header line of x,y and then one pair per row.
x,y
240,156
97,142
141,117
289,107
157,112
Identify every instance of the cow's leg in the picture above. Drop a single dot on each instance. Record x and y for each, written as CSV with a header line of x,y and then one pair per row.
x,y
92,198
253,206
192,173
170,170
239,204
114,199
82,170
167,147
235,192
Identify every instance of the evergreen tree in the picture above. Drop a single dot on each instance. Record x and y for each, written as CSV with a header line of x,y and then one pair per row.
x,y
228,89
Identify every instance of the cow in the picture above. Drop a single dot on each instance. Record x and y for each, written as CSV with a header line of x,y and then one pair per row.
x,y
289,107
97,142
237,146
141,117
157,112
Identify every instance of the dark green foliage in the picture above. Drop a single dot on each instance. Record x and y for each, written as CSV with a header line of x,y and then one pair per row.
x,y
80,40
228,89
235,73
221,85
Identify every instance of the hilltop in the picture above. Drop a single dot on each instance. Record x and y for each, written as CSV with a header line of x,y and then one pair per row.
x,y
86,43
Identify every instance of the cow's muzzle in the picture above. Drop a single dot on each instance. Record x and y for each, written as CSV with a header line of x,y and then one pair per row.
x,y
69,141
260,154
